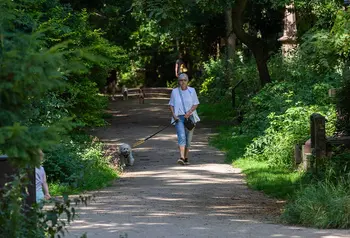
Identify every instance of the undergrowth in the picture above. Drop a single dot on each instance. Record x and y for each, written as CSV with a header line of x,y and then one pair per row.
x,y
77,165
275,119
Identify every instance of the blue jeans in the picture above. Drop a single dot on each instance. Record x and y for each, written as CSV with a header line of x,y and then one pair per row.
x,y
184,136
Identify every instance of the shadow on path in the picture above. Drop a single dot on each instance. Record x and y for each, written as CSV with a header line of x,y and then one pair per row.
x,y
158,198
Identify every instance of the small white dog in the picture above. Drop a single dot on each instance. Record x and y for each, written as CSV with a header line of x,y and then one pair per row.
x,y
125,155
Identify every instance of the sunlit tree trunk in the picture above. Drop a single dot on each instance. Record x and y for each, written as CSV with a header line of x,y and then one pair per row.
x,y
230,46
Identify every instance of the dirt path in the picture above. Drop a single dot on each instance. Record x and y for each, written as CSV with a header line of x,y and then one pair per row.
x,y
158,198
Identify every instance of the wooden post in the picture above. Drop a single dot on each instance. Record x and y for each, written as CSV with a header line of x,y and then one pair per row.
x,y
297,155
318,137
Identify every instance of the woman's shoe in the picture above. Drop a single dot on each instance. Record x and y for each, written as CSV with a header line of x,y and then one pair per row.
x,y
181,161
186,161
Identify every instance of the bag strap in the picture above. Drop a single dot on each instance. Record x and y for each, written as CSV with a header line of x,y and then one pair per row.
x,y
182,100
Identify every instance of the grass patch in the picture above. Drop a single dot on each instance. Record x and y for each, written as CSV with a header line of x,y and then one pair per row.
x,y
322,205
233,145
57,189
216,112
274,181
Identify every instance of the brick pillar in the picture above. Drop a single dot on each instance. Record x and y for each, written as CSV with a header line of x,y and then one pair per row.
x,y
289,38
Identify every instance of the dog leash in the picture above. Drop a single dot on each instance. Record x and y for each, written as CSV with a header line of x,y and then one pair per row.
x,y
149,137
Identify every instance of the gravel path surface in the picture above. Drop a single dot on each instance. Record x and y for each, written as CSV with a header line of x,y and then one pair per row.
x,y
158,198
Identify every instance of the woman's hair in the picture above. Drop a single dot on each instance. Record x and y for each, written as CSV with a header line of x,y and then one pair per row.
x,y
183,76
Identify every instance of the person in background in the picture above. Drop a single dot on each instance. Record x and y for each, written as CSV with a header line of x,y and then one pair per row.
x,y
42,189
180,66
125,92
141,95
111,83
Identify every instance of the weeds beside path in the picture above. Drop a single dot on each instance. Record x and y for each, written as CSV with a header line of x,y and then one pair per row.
x,y
158,198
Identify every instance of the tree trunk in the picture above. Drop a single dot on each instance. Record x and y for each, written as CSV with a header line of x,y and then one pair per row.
x,y
256,45
231,37
261,58
230,47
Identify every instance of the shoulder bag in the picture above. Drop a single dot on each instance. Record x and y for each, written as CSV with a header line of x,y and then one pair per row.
x,y
189,123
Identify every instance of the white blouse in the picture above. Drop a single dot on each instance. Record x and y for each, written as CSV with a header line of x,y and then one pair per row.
x,y
189,97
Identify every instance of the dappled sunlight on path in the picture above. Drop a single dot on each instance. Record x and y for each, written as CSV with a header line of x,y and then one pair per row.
x,y
158,198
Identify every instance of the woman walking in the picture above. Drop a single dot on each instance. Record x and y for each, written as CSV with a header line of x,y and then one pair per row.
x,y
183,104
42,189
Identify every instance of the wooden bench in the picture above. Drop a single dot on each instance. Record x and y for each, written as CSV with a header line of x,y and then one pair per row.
x,y
158,92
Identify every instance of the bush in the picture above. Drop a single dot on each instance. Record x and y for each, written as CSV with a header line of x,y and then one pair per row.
x,y
217,112
323,205
22,221
277,117
292,127
77,165
213,87
85,105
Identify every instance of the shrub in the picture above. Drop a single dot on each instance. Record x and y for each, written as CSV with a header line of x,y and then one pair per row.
x,y
284,131
277,117
85,105
323,205
78,164
212,85
22,221
213,88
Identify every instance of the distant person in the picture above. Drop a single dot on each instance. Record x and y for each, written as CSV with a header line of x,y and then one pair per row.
x,y
125,92
111,83
42,189
180,66
141,95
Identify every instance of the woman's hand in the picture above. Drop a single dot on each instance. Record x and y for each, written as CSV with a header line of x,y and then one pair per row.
x,y
176,118
188,114
47,196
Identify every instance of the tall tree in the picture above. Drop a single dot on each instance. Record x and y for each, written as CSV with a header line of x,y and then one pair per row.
x,y
230,45
256,45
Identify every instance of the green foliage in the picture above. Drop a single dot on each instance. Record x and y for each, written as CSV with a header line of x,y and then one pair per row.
x,y
322,205
213,87
32,222
78,164
278,116
47,53
284,131
217,112
28,71
277,182
12,217
84,103
228,141
100,56
340,31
